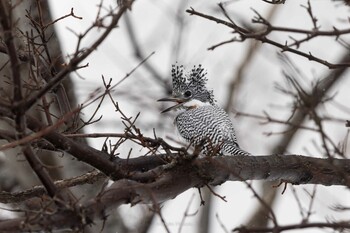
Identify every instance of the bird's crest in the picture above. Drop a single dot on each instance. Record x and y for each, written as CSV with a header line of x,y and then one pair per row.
x,y
195,81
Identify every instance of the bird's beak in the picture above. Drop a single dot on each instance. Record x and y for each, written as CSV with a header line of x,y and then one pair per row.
x,y
178,101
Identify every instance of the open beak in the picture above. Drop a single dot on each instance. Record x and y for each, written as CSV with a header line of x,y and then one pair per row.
x,y
178,101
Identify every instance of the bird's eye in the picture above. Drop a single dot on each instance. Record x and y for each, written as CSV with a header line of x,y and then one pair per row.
x,y
188,94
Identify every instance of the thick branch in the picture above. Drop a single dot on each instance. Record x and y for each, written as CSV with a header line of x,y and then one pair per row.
x,y
171,180
294,169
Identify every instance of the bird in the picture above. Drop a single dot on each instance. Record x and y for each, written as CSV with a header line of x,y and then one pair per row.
x,y
198,119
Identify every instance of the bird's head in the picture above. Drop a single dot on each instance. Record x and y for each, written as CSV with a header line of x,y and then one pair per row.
x,y
189,90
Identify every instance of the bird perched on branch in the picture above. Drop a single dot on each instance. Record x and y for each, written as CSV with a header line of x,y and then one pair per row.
x,y
198,119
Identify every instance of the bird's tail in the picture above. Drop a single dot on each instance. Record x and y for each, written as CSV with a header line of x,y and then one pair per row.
x,y
229,149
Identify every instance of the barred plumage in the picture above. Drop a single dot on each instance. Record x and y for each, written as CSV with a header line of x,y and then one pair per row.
x,y
199,120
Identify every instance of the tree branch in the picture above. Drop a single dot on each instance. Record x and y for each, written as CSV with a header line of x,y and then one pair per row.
x,y
38,191
194,173
76,60
262,37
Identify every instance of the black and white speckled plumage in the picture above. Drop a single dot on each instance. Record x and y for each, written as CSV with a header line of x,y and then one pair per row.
x,y
199,120
211,127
